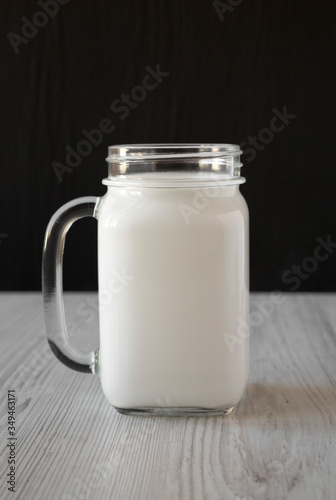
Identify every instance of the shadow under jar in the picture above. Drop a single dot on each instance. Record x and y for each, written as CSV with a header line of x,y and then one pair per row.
x,y
173,280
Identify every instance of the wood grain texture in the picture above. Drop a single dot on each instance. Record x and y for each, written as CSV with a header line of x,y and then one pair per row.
x,y
280,443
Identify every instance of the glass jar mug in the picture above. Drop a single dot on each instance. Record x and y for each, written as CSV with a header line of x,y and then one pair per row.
x,y
173,280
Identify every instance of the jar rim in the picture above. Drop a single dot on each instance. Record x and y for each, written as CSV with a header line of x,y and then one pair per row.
x,y
134,152
179,161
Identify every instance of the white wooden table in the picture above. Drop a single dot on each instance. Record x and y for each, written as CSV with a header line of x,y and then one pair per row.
x,y
280,443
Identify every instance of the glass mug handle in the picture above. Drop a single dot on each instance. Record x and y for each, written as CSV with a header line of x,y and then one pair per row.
x,y
52,284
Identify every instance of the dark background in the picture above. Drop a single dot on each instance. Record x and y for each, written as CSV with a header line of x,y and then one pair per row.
x,y
225,78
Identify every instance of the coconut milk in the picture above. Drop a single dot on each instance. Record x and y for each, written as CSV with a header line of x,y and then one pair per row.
x,y
173,281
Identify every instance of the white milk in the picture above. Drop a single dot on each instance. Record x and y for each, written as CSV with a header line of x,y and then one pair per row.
x,y
173,296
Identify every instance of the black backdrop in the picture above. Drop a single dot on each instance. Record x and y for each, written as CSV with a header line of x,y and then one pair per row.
x,y
233,67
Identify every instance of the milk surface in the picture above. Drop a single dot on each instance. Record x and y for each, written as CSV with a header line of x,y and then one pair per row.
x,y
173,282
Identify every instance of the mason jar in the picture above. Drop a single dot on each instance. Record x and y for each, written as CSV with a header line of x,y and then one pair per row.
x,y
173,280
